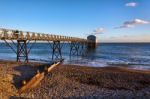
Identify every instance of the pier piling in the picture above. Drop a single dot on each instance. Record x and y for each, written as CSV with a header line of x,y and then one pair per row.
x,y
22,52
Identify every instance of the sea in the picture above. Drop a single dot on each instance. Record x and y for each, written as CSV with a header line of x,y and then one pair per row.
x,y
132,55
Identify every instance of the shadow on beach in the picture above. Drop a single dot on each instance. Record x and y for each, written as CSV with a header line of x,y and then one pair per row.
x,y
26,73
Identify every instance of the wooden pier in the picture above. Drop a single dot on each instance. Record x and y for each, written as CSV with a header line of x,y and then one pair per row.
x,y
20,39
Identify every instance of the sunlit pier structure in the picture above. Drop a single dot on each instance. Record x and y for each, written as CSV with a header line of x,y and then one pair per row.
x,y
21,39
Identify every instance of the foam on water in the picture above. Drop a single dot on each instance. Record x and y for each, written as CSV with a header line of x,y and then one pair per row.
x,y
86,62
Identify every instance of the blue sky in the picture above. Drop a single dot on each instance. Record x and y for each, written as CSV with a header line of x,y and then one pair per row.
x,y
109,20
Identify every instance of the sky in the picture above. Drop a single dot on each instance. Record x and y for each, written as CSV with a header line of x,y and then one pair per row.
x,y
108,20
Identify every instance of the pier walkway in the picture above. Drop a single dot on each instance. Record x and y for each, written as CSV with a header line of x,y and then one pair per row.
x,y
20,39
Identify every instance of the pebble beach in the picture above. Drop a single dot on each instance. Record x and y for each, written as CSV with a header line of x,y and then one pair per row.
x,y
75,82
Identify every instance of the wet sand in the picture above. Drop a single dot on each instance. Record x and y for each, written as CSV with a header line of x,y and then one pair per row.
x,y
75,82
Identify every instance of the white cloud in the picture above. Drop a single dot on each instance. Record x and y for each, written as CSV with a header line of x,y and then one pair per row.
x,y
131,4
133,23
98,31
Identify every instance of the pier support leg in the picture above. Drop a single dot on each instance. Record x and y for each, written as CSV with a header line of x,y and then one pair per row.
x,y
82,49
22,53
56,50
74,48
